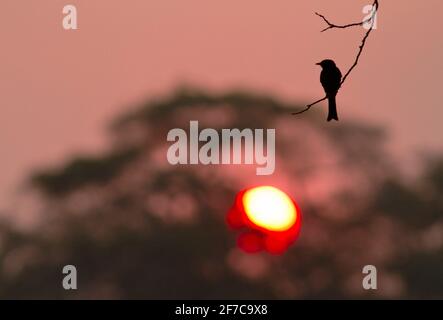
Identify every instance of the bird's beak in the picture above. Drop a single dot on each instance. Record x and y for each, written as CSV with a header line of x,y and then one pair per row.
x,y
318,63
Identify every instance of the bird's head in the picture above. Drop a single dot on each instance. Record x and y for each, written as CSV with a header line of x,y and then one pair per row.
x,y
326,64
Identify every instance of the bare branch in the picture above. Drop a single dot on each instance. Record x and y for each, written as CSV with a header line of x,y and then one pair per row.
x,y
332,26
372,20
310,105
363,42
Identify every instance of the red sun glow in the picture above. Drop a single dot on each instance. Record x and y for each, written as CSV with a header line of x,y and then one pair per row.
x,y
269,208
267,218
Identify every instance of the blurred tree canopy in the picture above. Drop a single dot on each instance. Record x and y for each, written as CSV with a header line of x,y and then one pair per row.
x,y
137,227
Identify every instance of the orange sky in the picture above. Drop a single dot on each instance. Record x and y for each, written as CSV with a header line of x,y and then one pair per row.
x,y
58,88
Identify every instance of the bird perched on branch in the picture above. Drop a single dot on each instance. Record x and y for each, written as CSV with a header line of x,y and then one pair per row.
x,y
330,79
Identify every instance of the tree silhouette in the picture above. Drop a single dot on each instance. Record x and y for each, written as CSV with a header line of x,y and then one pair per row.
x,y
137,227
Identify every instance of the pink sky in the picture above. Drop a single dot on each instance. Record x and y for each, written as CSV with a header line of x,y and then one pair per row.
x,y
58,89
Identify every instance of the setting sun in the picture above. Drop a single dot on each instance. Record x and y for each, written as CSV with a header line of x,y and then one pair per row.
x,y
269,208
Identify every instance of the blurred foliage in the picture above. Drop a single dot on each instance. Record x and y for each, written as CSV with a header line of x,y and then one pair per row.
x,y
137,227
82,171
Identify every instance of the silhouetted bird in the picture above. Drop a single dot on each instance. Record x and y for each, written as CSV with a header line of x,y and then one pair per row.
x,y
330,78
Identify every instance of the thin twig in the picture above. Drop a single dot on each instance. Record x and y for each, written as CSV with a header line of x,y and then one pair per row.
x,y
310,105
371,19
336,26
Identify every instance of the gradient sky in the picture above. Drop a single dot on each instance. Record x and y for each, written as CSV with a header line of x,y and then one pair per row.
x,y
59,89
